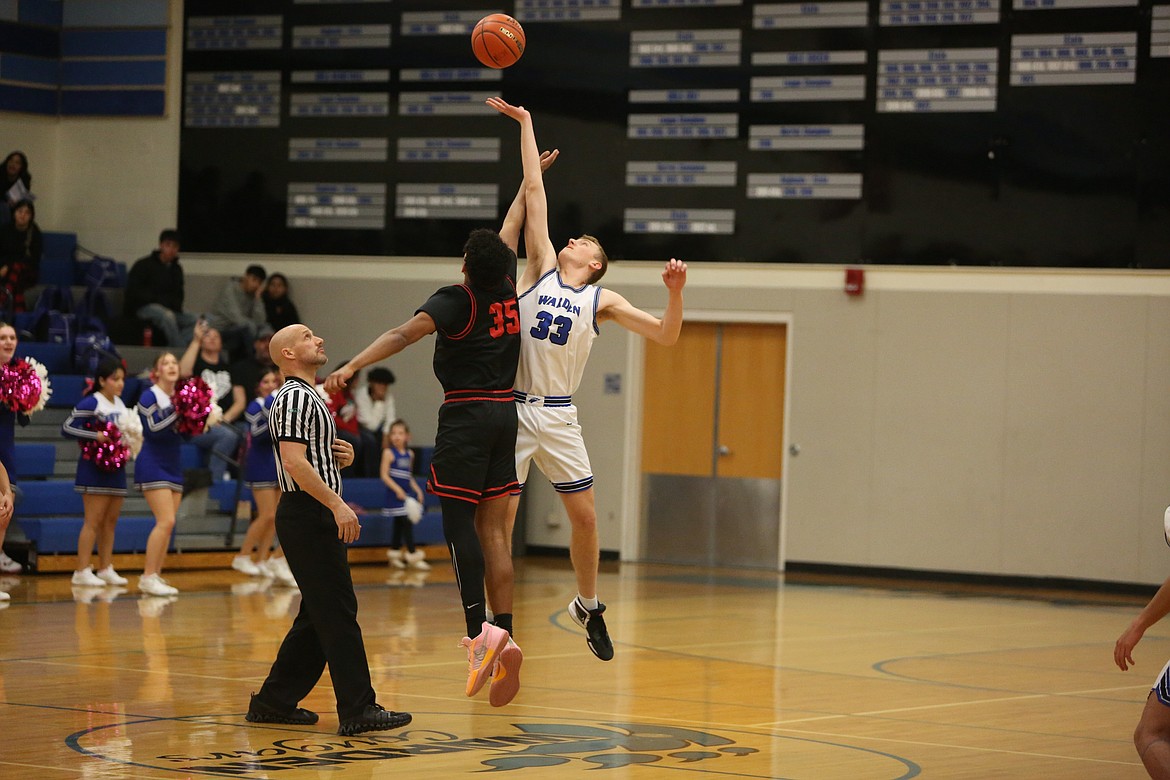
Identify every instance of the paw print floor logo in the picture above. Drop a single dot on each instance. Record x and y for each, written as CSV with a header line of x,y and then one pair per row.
x,y
613,745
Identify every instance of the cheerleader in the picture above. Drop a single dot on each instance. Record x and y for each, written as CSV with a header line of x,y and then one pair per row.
x,y
102,491
157,472
260,476
8,344
396,474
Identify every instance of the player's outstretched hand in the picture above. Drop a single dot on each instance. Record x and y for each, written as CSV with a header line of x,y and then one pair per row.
x,y
338,379
519,113
675,274
548,158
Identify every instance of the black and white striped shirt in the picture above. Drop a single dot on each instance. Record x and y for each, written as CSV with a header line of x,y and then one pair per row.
x,y
299,414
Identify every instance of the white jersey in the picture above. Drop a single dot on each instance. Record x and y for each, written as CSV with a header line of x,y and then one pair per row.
x,y
557,326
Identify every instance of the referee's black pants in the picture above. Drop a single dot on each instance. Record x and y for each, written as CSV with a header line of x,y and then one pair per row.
x,y
325,630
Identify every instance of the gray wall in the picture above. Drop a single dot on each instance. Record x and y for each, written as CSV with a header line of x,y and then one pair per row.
x,y
997,422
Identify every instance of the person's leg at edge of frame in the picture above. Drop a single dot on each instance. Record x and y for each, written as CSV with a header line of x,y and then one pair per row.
x,y
1152,738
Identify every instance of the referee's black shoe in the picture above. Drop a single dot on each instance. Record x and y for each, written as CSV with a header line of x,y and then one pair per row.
x,y
373,718
597,636
259,712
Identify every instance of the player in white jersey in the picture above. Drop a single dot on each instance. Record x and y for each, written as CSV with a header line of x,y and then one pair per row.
x,y
561,309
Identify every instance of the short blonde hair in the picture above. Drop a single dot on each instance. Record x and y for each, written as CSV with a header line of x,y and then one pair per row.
x,y
601,255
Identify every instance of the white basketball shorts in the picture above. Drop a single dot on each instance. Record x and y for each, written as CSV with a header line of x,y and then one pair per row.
x,y
551,437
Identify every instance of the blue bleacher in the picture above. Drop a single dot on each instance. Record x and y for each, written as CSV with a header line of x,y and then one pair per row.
x,y
369,494
57,358
51,515
34,461
67,390
58,258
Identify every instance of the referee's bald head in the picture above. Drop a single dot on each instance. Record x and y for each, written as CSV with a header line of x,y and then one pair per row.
x,y
283,346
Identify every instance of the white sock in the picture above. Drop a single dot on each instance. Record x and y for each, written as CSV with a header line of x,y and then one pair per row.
x,y
587,603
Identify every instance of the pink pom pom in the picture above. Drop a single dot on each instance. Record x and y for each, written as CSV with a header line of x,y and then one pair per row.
x,y
192,401
20,387
110,455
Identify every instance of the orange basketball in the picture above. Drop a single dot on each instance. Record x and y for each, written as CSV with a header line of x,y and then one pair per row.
x,y
497,40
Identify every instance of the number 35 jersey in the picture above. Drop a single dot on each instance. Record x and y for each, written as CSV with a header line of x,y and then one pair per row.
x,y
557,326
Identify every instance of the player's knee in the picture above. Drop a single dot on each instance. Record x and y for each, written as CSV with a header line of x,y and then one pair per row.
x,y
1147,734
584,521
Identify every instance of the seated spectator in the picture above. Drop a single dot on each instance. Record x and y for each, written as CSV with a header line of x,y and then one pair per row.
x,y
205,358
344,410
21,247
17,184
279,308
154,292
239,312
247,371
375,412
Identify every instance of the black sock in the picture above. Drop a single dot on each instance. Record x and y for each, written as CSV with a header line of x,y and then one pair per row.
x,y
467,560
504,621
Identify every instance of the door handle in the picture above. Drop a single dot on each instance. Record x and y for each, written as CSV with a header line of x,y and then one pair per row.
x,y
723,450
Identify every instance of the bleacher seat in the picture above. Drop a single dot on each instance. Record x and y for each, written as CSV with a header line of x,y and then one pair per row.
x,y
58,259
56,358
369,494
34,461
59,534
55,497
67,390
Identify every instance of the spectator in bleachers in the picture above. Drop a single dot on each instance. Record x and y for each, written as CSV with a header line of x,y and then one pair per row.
x,y
8,344
17,183
279,308
154,292
239,312
248,370
344,410
157,470
205,358
102,491
375,412
21,247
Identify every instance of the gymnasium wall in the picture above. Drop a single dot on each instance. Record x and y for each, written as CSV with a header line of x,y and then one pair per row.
x,y
973,420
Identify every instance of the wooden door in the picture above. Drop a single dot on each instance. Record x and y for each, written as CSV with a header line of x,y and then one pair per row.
x,y
712,445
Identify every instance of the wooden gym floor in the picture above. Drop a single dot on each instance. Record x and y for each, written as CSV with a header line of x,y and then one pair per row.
x,y
718,673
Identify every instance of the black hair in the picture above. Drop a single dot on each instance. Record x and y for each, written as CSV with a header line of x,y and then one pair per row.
x,y
486,258
257,271
105,369
170,234
24,175
381,375
282,278
26,202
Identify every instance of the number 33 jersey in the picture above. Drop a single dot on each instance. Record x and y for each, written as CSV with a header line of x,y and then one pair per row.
x,y
557,326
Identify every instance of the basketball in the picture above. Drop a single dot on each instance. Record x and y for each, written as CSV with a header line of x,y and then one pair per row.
x,y
497,40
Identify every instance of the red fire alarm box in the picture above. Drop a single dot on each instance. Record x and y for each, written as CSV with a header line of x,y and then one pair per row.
x,y
854,281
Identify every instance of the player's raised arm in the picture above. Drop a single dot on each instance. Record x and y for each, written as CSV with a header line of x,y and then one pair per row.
x,y
612,306
541,255
515,219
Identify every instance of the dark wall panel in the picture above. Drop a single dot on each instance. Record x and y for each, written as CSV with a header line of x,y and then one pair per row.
x,y
1072,172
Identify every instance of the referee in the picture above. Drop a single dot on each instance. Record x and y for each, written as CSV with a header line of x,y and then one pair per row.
x,y
314,525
